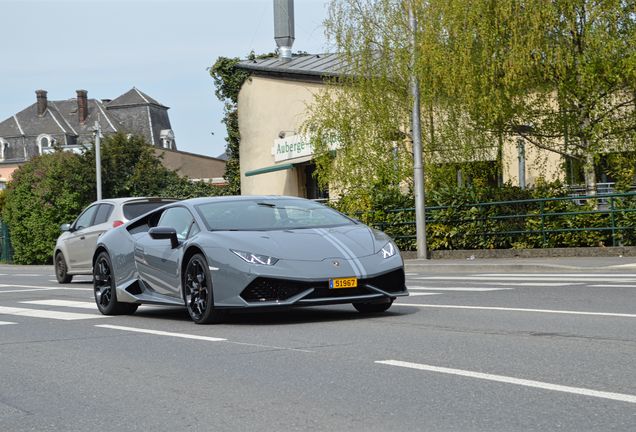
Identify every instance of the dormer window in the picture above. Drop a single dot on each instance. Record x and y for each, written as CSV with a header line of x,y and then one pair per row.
x,y
44,141
167,139
4,148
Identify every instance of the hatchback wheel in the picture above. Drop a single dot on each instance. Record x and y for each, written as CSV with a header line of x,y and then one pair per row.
x,y
61,271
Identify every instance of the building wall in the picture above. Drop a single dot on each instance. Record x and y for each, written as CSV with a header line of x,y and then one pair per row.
x,y
539,164
267,107
192,165
6,171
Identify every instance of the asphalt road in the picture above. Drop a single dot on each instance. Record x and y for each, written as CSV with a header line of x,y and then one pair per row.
x,y
483,352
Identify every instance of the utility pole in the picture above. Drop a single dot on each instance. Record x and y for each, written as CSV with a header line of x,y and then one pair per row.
x,y
98,160
418,168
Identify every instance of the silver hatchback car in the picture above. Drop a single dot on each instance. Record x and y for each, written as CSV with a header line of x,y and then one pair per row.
x,y
75,247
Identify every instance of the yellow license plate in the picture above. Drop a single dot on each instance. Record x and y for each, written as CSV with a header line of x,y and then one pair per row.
x,y
343,283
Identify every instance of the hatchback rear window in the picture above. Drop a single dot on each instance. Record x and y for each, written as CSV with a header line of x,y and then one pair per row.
x,y
136,209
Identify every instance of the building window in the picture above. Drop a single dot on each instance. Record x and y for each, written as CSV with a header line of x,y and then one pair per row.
x,y
3,185
44,141
4,148
167,139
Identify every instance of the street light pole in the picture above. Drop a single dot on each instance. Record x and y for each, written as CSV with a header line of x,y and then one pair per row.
x,y
98,160
418,166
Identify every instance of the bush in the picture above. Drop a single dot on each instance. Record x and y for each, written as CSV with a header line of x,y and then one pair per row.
x,y
45,192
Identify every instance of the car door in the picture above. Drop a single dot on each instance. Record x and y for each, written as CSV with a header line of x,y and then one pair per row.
x,y
99,226
79,250
157,262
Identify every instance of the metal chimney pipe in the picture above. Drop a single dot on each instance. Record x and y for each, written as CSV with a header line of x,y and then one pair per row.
x,y
284,28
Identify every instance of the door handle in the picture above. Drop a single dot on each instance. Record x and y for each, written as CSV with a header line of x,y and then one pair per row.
x,y
82,238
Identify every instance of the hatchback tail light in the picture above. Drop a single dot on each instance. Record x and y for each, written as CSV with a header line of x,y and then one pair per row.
x,y
117,223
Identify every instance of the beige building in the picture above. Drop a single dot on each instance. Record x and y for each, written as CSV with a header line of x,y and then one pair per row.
x,y
276,159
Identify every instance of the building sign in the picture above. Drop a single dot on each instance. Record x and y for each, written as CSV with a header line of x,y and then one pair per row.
x,y
292,147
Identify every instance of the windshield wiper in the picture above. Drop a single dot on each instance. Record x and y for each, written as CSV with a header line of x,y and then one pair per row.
x,y
264,204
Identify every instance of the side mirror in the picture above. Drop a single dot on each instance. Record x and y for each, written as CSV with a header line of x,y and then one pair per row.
x,y
161,233
65,227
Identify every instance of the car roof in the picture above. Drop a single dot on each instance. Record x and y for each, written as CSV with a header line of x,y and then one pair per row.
x,y
133,199
197,201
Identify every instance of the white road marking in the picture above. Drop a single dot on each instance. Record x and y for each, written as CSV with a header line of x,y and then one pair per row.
x,y
26,274
162,333
534,275
38,313
613,286
45,287
511,380
515,279
24,290
415,294
196,337
539,284
63,303
565,312
75,280
6,323
456,289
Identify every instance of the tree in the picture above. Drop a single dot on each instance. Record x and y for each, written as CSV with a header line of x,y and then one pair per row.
x,y
559,73
54,188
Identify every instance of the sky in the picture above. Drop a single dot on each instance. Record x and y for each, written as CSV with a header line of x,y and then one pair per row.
x,y
161,47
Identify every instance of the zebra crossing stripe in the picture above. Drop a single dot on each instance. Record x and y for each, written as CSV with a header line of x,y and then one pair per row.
x,y
39,313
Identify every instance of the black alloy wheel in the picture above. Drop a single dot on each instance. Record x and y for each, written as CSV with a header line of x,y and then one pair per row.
x,y
197,292
61,271
373,308
104,289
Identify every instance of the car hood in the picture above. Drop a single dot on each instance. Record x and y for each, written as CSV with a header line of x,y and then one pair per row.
x,y
310,244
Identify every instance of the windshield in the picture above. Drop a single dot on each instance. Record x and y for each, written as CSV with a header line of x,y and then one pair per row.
x,y
269,214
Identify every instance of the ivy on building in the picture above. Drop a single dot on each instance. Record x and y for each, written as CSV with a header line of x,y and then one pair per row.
x,y
228,80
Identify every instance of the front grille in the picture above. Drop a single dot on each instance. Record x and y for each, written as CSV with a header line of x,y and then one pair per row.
x,y
391,282
269,289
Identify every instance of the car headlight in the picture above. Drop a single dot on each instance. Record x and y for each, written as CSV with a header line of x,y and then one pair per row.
x,y
256,258
388,251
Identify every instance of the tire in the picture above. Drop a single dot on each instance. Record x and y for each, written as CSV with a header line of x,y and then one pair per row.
x,y
197,292
61,270
373,308
104,289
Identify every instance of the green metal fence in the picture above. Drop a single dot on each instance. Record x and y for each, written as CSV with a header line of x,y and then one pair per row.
x,y
598,220
6,252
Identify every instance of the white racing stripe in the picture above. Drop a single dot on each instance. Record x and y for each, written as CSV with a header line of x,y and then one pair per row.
x,y
37,313
511,380
467,289
162,333
495,308
338,245
63,303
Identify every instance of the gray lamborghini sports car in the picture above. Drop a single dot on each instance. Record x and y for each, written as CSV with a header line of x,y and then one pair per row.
x,y
219,254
